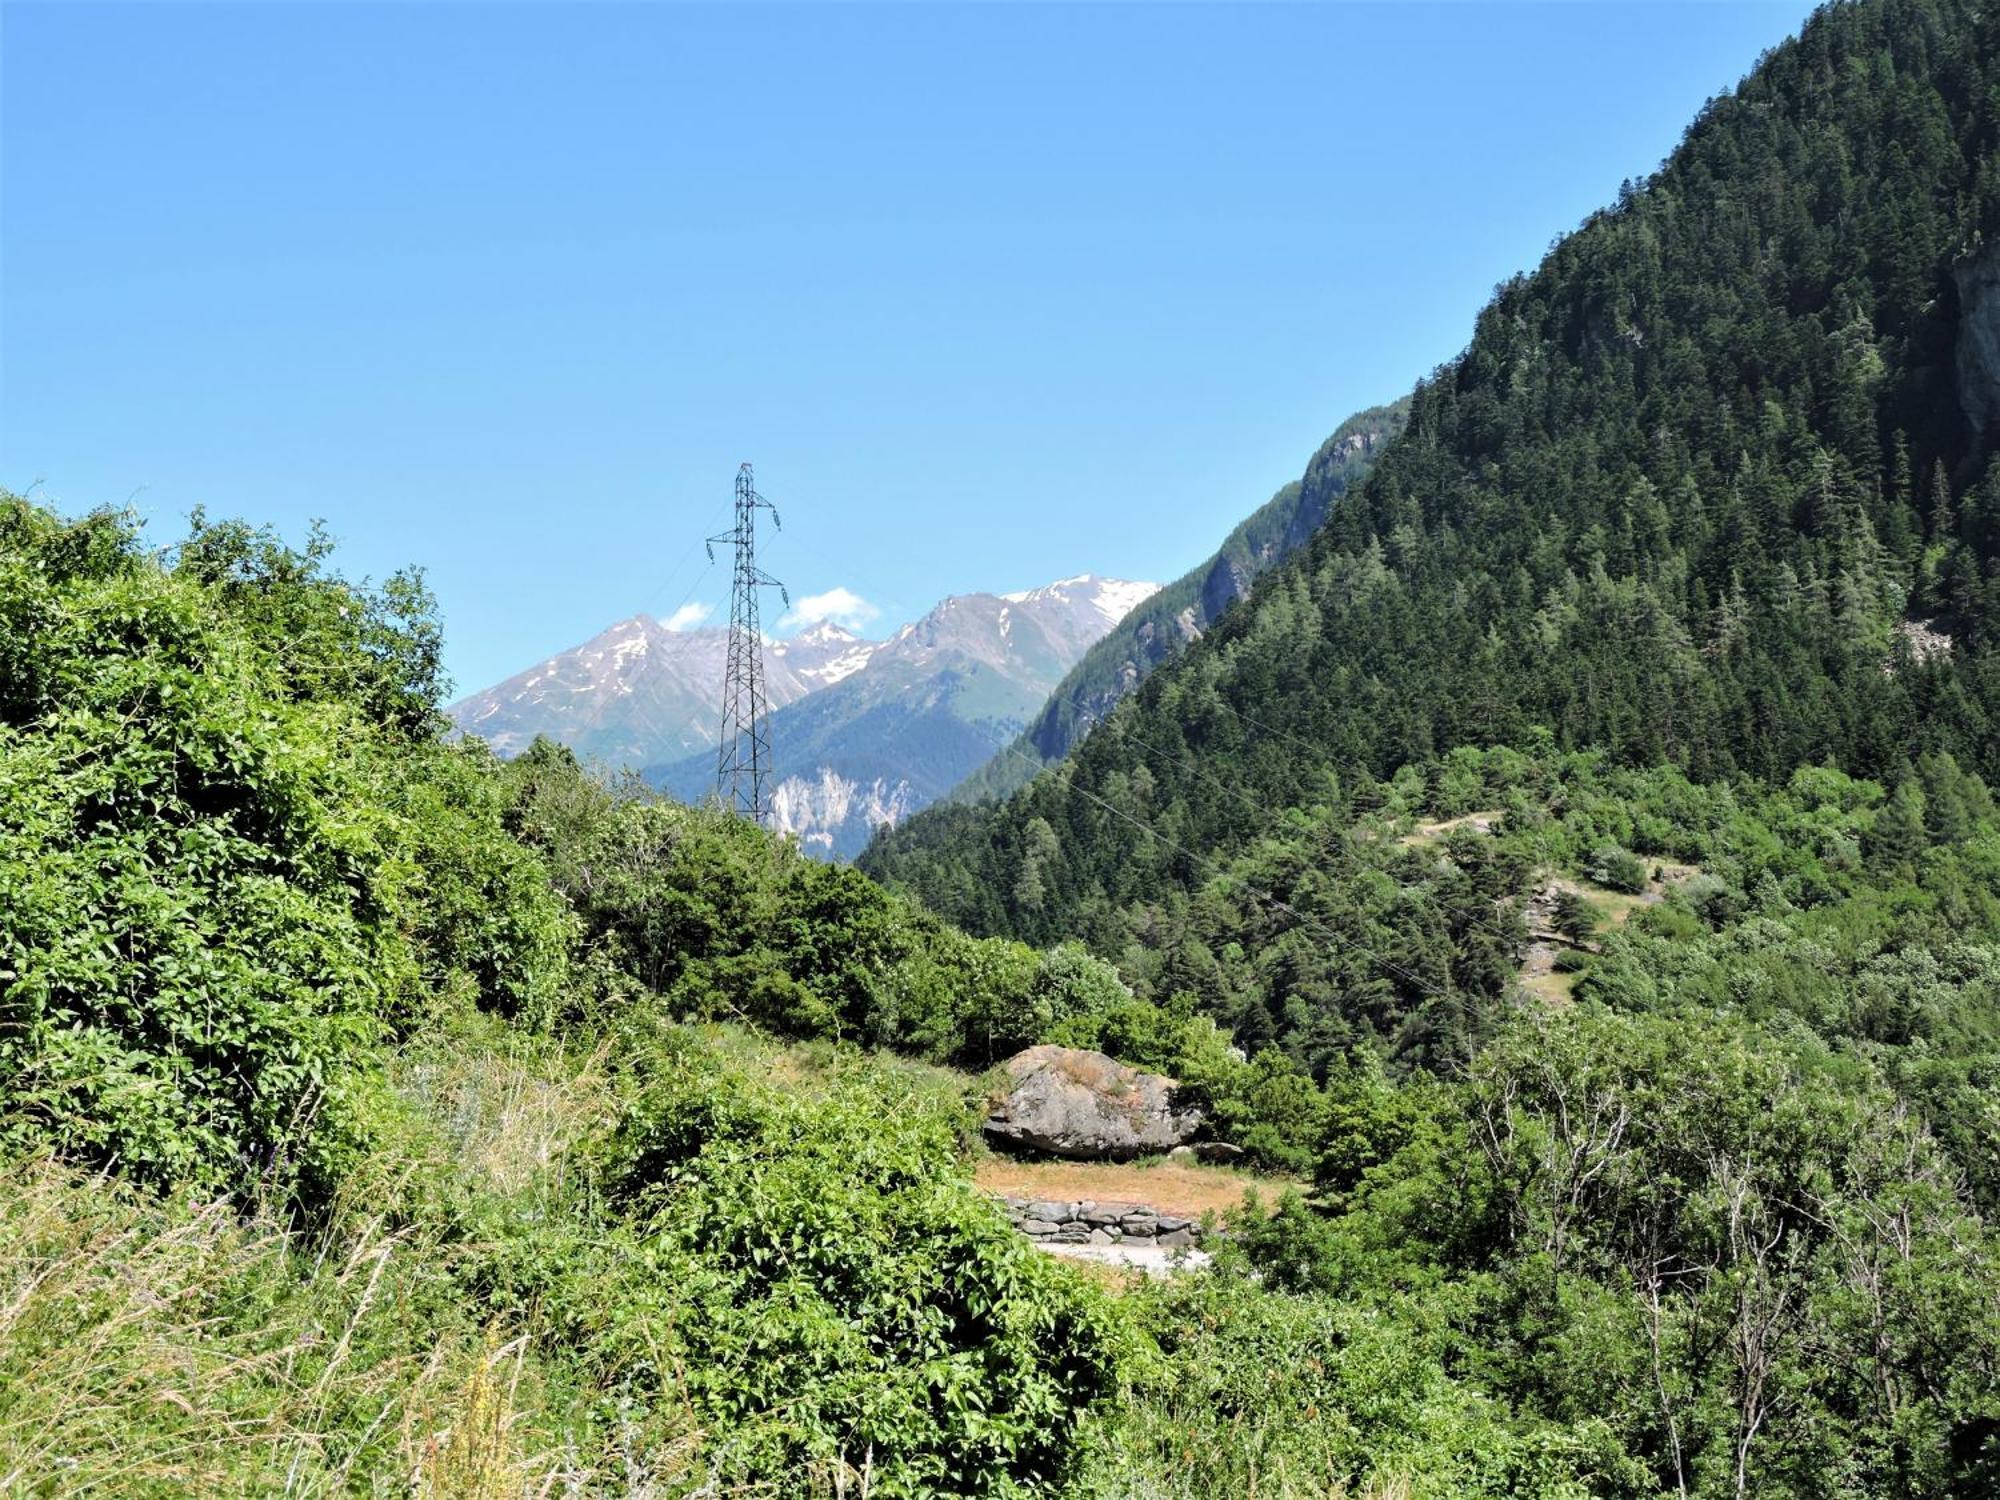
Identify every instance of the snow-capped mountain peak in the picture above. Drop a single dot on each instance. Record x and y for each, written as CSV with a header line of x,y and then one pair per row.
x,y
885,726
822,654
825,630
1112,598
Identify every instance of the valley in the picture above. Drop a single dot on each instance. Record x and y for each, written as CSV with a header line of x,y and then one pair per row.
x,y
1488,986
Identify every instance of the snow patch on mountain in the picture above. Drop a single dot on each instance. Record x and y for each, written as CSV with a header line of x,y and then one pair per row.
x,y
1113,598
1118,599
851,653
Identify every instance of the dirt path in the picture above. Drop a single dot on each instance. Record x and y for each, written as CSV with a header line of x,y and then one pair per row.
x,y
1189,1191
1430,833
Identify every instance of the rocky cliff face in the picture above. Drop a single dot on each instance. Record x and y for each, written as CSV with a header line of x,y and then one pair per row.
x,y
1978,281
818,807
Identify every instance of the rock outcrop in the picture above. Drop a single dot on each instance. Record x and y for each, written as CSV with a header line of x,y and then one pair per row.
x,y
1133,1225
1978,282
1069,1102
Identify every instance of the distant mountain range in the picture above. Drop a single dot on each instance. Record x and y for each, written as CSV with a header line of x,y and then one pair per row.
x,y
638,692
967,702
863,732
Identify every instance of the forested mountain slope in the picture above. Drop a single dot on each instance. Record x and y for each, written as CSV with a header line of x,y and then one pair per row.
x,y
1686,497
1163,626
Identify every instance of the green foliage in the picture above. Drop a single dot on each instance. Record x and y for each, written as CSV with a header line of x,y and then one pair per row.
x,y
256,913
842,1292
1745,1260
1716,1226
1666,506
639,1267
1258,1391
229,868
167,1347
726,922
1577,917
1620,869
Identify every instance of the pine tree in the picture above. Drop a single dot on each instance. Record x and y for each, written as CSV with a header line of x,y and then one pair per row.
x,y
1899,837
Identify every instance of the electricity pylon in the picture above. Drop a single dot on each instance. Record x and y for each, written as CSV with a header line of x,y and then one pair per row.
x,y
743,756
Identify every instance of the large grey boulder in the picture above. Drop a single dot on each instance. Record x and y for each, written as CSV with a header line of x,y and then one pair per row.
x,y
1069,1102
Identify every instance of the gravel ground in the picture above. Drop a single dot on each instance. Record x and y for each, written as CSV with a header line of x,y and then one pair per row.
x,y
1148,1258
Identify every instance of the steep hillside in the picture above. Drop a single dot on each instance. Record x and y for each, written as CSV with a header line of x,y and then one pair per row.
x,y
1709,487
638,690
1179,613
925,709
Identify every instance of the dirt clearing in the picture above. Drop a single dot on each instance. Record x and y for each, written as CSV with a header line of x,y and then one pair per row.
x,y
1189,1191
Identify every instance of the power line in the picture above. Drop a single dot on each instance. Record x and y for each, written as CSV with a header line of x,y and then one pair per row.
x,y
667,581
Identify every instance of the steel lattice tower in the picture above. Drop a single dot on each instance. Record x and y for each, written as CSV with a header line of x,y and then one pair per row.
x,y
743,756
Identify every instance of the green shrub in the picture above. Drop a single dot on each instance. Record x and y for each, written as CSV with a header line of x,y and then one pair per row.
x,y
848,1298
1619,868
232,857
1255,1391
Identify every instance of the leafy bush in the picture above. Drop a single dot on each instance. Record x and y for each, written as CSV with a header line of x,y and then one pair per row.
x,y
227,869
1620,869
844,1298
198,946
1260,1392
1670,1226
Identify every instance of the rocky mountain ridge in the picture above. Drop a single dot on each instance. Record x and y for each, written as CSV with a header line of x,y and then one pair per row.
x,y
930,705
864,732
639,687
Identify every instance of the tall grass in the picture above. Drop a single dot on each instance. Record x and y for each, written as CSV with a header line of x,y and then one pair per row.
x,y
173,1348
177,1347
154,1347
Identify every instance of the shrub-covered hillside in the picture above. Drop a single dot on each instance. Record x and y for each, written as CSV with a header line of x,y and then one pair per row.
x,y
478,1209
382,1118
377,1117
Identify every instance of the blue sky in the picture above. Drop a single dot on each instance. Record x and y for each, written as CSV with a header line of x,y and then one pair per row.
x,y
991,295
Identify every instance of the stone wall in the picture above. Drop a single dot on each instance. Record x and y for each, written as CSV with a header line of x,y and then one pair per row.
x,y
1086,1222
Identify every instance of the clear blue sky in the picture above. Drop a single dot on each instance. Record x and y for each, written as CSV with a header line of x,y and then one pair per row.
x,y
991,295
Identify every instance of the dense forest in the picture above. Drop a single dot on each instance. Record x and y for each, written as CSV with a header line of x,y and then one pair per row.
x,y
1684,498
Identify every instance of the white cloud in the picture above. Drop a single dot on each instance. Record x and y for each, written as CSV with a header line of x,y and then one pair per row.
x,y
689,615
840,605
